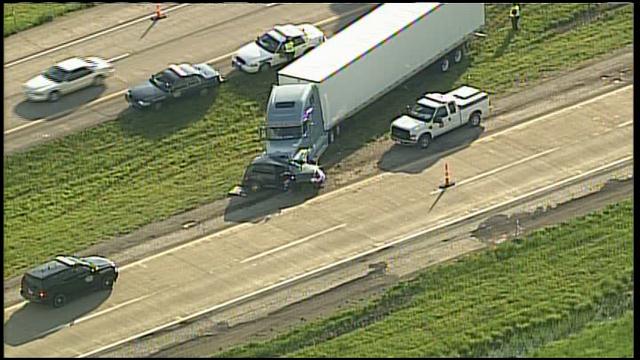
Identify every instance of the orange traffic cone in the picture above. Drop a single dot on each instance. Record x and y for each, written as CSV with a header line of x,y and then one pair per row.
x,y
447,182
159,15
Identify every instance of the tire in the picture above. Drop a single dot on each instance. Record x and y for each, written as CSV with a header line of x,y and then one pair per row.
x,y
458,54
264,68
98,80
106,282
475,119
59,300
54,96
444,65
424,141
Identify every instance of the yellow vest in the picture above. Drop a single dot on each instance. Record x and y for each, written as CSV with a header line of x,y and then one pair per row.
x,y
515,11
288,47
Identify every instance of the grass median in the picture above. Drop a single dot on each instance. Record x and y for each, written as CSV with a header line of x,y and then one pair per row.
x,y
504,302
22,16
70,193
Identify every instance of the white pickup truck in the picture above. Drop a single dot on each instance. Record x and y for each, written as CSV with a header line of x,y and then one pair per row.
x,y
268,49
435,114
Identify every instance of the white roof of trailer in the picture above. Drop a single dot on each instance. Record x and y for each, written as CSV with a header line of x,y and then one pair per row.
x,y
355,40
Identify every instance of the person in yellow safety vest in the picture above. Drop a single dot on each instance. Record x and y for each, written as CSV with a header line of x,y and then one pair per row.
x,y
289,50
515,16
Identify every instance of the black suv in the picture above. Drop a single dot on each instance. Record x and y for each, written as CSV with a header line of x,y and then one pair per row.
x,y
55,281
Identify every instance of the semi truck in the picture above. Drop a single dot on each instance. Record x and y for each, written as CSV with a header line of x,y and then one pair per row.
x,y
317,92
358,65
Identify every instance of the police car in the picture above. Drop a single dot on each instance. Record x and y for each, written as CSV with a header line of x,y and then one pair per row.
x,y
269,49
174,82
56,281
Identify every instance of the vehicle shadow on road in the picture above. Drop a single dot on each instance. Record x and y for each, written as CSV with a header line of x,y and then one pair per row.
x,y
172,117
413,160
258,207
29,110
35,321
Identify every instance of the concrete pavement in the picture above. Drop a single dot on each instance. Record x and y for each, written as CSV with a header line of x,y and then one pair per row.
x,y
196,33
246,258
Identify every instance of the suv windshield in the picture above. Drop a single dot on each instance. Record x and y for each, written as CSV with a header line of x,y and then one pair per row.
x,y
284,133
422,112
162,80
54,73
268,43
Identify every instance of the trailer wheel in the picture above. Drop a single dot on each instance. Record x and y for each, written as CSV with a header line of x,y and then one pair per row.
x,y
457,55
444,65
475,119
424,141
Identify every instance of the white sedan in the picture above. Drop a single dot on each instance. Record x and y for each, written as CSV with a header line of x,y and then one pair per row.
x,y
67,76
268,49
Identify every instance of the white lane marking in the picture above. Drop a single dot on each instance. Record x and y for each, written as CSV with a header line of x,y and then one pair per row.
x,y
77,321
531,122
77,41
285,246
194,242
320,23
31,123
357,256
214,60
498,169
87,105
625,123
12,307
119,57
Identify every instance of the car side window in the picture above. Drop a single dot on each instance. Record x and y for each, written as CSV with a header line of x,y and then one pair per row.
x,y
298,40
179,84
78,73
452,107
442,112
193,80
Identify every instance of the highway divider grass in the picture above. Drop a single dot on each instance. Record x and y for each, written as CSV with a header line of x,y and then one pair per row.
x,y
70,193
25,15
501,302
612,338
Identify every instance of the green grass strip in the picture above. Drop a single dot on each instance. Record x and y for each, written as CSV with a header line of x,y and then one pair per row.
x,y
23,15
601,339
502,302
65,195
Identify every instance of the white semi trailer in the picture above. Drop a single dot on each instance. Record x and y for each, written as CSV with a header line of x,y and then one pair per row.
x,y
358,65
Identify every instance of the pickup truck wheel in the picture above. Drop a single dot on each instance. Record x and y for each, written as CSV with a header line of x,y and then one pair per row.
x,y
59,300
475,119
424,141
444,65
264,67
54,96
457,55
98,80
